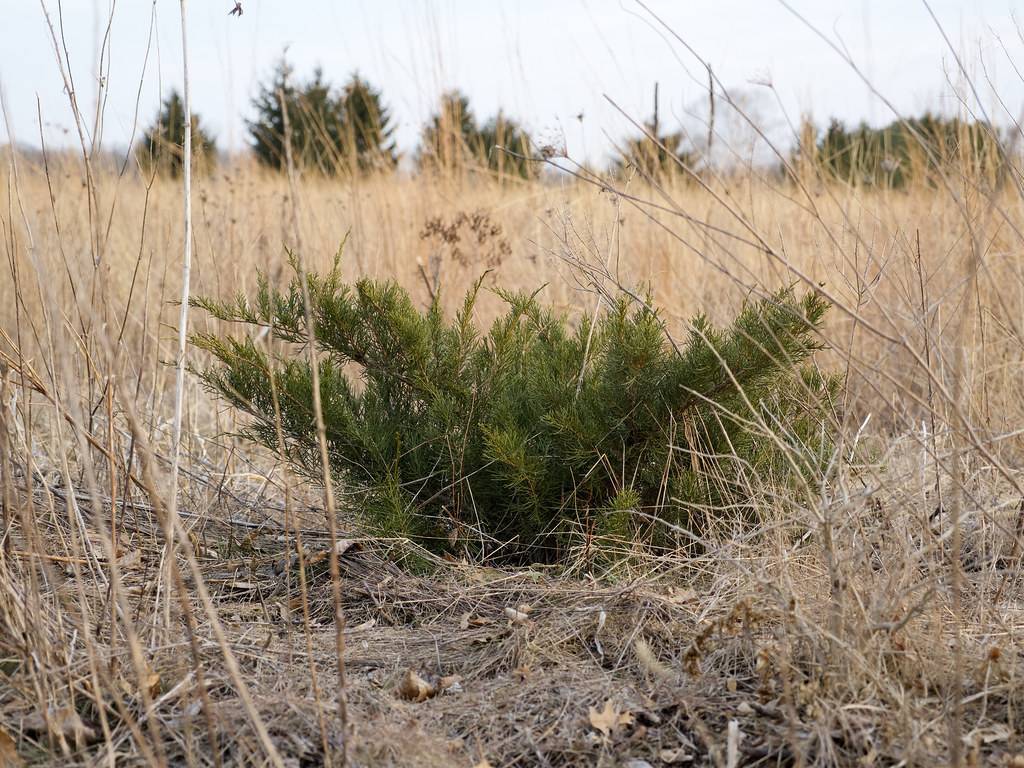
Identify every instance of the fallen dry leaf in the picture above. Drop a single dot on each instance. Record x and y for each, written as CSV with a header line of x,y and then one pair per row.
x,y
415,688
8,751
682,595
675,756
989,735
69,722
35,723
469,620
130,559
341,547
64,722
344,545
451,683
609,719
368,624
484,575
152,683
516,617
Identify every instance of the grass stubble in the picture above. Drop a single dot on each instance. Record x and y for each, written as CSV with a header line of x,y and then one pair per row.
x,y
880,624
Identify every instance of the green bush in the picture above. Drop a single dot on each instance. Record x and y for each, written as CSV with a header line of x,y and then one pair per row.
x,y
523,442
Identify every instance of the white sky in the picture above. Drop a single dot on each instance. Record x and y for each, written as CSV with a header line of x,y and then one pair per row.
x,y
544,61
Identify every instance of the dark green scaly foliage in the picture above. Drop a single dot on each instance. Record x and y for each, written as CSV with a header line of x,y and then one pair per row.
x,y
330,132
530,439
162,146
918,148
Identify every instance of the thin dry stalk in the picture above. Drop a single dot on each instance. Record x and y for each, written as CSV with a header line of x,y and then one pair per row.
x,y
321,434
186,272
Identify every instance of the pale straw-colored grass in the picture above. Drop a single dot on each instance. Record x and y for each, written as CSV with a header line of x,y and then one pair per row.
x,y
871,626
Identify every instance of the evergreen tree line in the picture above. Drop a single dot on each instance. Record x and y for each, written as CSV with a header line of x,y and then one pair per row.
x,y
922,149
342,131
350,129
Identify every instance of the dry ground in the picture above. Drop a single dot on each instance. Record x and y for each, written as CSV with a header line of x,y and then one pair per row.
x,y
869,628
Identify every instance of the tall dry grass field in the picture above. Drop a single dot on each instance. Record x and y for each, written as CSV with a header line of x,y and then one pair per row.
x,y
879,625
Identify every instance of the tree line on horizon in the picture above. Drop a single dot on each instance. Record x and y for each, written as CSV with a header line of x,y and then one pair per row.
x,y
342,130
350,130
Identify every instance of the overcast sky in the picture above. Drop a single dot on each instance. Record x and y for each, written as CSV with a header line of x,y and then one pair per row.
x,y
544,61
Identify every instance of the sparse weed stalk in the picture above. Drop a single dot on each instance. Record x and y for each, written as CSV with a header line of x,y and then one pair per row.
x,y
509,443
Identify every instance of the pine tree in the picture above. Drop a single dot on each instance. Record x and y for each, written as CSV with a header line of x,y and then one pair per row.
x,y
453,140
161,147
905,150
369,133
656,152
330,132
505,146
654,158
523,441
449,135
315,122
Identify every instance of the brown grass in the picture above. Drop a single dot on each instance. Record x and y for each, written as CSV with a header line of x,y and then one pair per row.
x,y
830,634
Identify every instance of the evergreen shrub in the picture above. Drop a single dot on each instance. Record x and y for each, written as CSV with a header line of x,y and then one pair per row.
x,y
523,441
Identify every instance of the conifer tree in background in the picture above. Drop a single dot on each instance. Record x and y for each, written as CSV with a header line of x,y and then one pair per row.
x,y
447,137
503,133
330,132
651,160
161,147
654,157
315,121
524,441
452,140
913,149
369,134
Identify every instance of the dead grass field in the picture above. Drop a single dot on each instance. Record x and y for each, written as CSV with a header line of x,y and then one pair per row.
x,y
874,627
